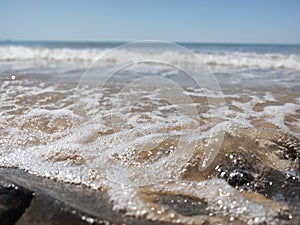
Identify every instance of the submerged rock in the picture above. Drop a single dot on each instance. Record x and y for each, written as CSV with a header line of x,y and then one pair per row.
x,y
184,205
264,162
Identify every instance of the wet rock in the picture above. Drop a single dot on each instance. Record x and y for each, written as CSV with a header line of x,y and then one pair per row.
x,y
13,202
279,186
290,148
239,177
260,161
242,171
29,200
184,205
238,172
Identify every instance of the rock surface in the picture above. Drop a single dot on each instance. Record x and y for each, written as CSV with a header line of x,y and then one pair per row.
x,y
29,200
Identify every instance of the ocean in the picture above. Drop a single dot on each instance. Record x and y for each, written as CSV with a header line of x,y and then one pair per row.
x,y
218,123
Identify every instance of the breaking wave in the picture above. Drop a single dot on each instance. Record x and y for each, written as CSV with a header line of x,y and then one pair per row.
x,y
223,59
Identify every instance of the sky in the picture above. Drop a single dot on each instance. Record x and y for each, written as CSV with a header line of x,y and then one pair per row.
x,y
223,21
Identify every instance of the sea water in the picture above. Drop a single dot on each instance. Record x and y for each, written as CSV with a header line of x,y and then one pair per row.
x,y
203,123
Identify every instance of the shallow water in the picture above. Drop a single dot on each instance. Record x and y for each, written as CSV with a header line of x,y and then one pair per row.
x,y
162,146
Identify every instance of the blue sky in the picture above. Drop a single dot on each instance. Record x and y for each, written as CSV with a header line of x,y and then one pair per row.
x,y
255,21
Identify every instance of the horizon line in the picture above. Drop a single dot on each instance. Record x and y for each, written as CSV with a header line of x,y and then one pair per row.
x,y
122,41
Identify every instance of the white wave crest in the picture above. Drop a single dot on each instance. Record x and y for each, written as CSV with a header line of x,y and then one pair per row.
x,y
227,59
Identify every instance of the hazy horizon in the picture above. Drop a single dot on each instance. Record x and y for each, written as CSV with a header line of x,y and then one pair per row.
x,y
130,41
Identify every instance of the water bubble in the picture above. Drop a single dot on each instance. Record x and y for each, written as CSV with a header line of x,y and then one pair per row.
x,y
231,218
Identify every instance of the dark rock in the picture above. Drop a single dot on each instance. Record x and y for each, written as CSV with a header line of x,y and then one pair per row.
x,y
290,148
238,171
279,186
13,202
273,184
239,177
38,201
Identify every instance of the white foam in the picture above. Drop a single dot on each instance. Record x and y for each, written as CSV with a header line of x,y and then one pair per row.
x,y
228,59
54,154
